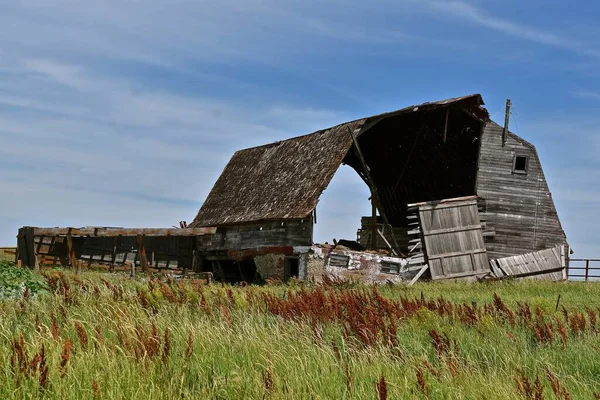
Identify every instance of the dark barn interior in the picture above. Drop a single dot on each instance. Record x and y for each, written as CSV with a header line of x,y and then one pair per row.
x,y
417,157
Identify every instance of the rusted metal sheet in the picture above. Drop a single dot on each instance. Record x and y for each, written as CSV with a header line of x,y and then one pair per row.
x,y
109,232
549,264
452,237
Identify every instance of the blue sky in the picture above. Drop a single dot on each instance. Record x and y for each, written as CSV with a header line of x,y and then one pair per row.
x,y
123,113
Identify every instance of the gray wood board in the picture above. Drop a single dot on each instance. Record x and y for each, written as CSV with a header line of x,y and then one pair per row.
x,y
542,264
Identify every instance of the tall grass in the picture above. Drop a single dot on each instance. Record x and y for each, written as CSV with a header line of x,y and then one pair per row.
x,y
100,336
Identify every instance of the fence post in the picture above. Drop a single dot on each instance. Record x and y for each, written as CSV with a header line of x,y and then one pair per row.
x,y
587,269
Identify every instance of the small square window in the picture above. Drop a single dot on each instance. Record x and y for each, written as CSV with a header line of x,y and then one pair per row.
x,y
520,164
390,268
337,260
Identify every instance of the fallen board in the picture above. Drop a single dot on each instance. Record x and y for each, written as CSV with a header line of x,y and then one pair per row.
x,y
549,264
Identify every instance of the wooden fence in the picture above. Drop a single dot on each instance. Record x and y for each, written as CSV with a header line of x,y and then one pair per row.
x,y
586,269
113,248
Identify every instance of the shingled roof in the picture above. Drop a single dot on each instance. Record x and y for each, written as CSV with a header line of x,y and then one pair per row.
x,y
284,180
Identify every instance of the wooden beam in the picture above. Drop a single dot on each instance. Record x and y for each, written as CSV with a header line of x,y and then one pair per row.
x,y
386,242
418,275
414,206
111,232
457,254
29,244
142,253
452,230
373,224
446,125
71,256
113,258
506,121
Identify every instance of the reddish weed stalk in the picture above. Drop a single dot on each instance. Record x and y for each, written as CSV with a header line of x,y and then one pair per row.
x,y
65,356
81,334
422,384
189,347
382,392
166,346
557,388
528,390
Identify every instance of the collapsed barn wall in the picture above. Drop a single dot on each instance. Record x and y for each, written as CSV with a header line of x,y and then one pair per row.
x,y
520,214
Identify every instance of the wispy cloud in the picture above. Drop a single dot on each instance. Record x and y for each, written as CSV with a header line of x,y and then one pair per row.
x,y
478,16
80,144
583,94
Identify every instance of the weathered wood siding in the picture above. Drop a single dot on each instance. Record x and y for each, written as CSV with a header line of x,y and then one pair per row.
x,y
259,234
520,215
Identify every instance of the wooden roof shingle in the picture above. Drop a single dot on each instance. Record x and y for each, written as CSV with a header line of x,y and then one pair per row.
x,y
281,180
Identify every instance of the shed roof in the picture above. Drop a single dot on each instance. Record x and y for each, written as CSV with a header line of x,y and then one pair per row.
x,y
284,180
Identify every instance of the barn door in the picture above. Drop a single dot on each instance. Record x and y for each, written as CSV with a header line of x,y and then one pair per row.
x,y
453,239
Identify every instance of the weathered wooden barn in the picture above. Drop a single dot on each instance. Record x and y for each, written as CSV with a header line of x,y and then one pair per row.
x,y
413,160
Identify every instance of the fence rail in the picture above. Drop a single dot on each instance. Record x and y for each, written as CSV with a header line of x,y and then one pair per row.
x,y
584,268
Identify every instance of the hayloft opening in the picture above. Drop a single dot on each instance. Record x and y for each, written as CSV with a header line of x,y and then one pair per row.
x,y
520,164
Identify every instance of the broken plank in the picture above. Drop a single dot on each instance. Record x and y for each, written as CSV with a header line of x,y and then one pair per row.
x,y
419,274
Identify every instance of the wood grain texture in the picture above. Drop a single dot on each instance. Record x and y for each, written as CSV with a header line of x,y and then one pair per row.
x,y
546,264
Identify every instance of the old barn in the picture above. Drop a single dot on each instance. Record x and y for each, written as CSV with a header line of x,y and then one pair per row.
x,y
481,188
454,195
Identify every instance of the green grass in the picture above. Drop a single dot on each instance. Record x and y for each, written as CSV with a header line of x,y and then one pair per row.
x,y
228,343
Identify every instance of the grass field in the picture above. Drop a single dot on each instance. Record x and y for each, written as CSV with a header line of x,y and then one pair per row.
x,y
105,336
4,256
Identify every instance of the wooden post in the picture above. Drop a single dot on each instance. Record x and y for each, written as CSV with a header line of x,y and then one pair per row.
x,y
29,247
506,120
113,258
446,125
142,253
587,269
71,256
373,224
